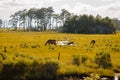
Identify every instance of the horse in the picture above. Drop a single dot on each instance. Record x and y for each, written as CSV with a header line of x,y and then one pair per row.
x,y
61,43
54,42
92,42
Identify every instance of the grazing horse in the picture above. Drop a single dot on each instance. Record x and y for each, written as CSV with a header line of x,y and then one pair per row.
x,y
62,43
92,42
50,42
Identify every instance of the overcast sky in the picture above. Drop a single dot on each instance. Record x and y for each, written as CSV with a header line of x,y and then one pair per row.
x,y
104,8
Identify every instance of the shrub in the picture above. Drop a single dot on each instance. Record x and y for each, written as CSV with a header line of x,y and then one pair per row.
x,y
23,70
103,60
76,60
6,71
84,59
115,49
20,69
35,46
13,71
49,70
24,45
34,72
43,71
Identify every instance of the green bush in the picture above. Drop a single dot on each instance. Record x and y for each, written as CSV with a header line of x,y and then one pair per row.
x,y
23,67
43,71
49,70
84,59
114,49
103,60
7,70
13,71
76,60
23,70
35,71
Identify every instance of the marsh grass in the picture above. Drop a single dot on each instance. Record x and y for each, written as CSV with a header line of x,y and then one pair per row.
x,y
31,45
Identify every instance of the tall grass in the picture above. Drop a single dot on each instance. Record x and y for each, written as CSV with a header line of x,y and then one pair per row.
x,y
29,46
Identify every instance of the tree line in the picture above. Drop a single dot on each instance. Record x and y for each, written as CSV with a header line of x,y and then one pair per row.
x,y
39,19
117,23
42,19
89,24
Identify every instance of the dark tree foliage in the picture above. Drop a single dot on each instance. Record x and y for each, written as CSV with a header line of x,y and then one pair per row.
x,y
0,23
89,24
117,23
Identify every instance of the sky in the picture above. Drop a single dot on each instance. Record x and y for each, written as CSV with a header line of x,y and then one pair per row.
x,y
110,8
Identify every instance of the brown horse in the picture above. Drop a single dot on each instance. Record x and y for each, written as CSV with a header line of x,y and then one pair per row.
x,y
92,42
50,42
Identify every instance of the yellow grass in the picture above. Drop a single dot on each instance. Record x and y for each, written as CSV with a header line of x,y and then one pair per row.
x,y
108,43
15,39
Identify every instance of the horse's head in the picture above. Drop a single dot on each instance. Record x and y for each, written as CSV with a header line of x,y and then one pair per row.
x,y
71,43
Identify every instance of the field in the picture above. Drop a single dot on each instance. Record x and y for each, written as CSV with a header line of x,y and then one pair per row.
x,y
32,44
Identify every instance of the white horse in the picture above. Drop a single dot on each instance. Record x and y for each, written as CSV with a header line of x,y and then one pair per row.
x,y
62,43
